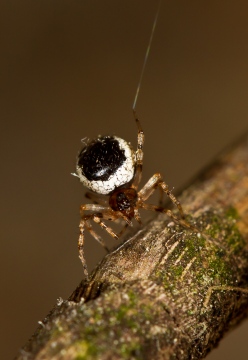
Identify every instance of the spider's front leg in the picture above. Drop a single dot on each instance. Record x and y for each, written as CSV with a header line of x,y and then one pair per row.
x,y
99,214
81,246
156,181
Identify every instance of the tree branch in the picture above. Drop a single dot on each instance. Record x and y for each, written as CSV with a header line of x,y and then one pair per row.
x,y
167,292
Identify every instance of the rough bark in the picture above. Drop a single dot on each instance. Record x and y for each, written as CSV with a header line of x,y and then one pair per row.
x,y
167,292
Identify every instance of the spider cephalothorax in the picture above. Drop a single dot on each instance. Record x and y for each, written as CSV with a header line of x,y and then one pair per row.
x,y
124,200
111,169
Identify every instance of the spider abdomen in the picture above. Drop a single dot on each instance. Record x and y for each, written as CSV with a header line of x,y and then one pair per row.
x,y
105,164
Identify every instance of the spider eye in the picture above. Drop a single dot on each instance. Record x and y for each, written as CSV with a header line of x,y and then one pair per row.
x,y
105,164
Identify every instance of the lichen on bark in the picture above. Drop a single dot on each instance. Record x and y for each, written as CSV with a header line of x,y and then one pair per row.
x,y
167,292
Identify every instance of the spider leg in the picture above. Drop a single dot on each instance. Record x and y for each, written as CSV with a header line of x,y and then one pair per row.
x,y
97,208
137,215
156,181
107,212
81,248
170,214
98,221
84,223
100,213
139,153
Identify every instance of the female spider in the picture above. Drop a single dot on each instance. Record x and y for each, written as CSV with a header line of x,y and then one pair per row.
x,y
108,166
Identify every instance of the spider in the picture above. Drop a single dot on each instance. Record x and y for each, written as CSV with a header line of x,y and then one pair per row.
x,y
112,170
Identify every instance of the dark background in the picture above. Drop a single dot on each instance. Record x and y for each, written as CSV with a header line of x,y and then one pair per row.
x,y
69,69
